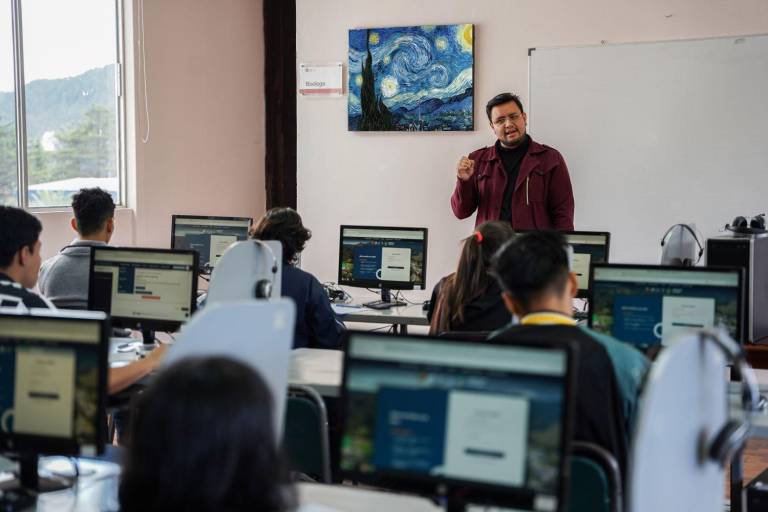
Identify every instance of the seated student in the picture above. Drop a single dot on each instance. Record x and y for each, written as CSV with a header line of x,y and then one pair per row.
x,y
538,287
316,324
64,277
202,439
19,267
470,298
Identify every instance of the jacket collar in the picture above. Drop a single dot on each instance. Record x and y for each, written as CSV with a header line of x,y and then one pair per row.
x,y
547,318
534,148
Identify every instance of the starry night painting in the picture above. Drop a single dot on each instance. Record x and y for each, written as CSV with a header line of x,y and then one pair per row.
x,y
411,78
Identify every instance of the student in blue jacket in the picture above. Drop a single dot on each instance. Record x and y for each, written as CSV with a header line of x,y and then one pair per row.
x,y
316,324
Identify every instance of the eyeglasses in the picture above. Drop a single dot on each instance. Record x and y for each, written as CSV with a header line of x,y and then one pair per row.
x,y
501,121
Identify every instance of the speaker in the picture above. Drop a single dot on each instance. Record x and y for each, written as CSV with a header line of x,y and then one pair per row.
x,y
750,253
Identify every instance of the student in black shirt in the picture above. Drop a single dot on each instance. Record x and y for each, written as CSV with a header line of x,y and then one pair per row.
x,y
19,259
470,298
316,324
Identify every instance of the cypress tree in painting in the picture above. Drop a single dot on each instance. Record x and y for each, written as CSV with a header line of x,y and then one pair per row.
x,y
375,115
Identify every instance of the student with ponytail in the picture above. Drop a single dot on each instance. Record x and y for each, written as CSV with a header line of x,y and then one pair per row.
x,y
470,298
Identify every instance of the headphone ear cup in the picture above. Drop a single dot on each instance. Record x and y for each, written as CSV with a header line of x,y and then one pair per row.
x,y
739,223
728,441
757,222
263,289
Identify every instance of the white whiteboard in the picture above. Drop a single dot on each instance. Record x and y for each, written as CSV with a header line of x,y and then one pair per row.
x,y
656,133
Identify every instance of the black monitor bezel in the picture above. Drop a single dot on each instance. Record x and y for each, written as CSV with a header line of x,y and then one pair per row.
x,y
176,216
584,294
49,445
667,268
390,285
153,324
472,491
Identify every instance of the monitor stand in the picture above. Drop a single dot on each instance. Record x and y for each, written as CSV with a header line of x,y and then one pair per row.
x,y
21,492
386,301
148,338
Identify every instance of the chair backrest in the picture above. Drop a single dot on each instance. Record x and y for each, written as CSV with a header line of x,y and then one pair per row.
x,y
595,480
465,335
305,438
256,333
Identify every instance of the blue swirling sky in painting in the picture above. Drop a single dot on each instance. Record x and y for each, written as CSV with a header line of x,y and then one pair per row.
x,y
423,75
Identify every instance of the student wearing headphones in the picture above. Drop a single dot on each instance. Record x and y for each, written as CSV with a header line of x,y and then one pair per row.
x,y
316,323
538,287
470,298
19,266
202,438
64,277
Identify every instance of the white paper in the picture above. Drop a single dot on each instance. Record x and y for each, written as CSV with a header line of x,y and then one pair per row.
x,y
321,79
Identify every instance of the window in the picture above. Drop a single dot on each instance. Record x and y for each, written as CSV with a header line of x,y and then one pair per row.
x,y
61,102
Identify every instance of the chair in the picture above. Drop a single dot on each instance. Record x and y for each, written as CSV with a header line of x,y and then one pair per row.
x,y
305,438
595,480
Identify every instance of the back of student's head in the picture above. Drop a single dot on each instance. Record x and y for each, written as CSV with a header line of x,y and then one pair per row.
x,y
284,225
471,278
92,208
532,265
202,438
18,229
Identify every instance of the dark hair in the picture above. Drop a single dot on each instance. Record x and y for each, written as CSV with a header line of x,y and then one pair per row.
x,y
531,265
283,224
92,207
202,439
501,99
471,278
18,229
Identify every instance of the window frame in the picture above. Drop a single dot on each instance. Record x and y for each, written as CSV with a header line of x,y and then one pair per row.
x,y
22,164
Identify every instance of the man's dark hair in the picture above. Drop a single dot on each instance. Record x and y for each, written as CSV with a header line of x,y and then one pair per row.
x,y
283,224
531,265
18,229
501,99
92,208
202,438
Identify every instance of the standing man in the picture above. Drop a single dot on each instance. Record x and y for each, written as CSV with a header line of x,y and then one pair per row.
x,y
516,179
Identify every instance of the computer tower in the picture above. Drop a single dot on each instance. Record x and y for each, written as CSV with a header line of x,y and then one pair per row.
x,y
751,253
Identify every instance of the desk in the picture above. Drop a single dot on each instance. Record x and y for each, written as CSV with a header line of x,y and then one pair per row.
x,y
317,368
401,317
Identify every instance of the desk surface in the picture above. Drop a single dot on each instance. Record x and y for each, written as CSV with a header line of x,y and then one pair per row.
x,y
404,315
317,368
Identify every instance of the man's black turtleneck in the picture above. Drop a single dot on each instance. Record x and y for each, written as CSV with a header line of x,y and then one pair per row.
x,y
511,158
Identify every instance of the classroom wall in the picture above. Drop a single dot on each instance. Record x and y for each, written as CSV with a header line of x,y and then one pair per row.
x,y
407,178
205,153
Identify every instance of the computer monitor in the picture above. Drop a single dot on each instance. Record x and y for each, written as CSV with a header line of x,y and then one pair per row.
x,y
209,236
53,375
648,305
588,247
389,258
146,289
490,422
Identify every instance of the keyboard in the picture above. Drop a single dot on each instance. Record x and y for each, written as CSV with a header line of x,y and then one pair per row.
x,y
380,304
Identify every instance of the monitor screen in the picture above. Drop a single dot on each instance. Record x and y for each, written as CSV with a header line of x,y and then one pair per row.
x,y
209,236
649,305
53,373
149,288
588,247
472,414
381,257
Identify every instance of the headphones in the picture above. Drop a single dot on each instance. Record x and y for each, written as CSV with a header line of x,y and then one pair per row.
x,y
263,287
685,262
755,226
734,434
